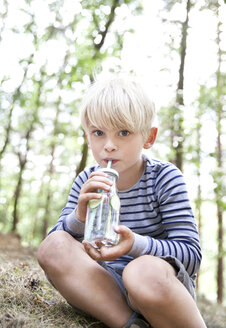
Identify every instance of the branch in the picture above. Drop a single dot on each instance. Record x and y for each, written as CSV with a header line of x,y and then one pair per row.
x,y
107,25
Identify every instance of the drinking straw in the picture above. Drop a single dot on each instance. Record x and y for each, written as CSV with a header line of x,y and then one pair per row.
x,y
109,164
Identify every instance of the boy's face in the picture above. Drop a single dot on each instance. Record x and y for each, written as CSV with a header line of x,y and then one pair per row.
x,y
121,147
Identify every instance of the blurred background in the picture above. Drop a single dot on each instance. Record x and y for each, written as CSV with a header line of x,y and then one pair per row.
x,y
50,51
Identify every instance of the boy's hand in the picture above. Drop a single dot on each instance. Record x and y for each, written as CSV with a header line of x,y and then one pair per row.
x,y
97,180
104,253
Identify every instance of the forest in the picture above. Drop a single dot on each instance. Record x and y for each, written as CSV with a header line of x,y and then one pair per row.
x,y
50,51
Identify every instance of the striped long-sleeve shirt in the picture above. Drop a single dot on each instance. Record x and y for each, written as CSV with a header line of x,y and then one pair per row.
x,y
156,209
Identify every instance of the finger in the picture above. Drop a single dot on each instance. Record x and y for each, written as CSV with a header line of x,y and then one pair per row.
x,y
102,253
111,253
100,176
93,185
83,200
99,173
99,244
88,196
92,251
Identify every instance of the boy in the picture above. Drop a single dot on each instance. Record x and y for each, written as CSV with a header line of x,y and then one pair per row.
x,y
147,280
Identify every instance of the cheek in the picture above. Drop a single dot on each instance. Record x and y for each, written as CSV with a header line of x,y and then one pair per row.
x,y
137,147
95,148
133,151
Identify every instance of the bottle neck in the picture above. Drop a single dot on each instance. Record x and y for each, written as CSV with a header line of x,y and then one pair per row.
x,y
113,178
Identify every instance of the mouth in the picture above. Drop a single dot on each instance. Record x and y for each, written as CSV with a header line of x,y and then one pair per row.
x,y
114,161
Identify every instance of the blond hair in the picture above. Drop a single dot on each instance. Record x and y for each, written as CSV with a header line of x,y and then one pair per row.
x,y
118,103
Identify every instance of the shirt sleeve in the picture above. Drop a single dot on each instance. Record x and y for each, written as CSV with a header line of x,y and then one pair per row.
x,y
67,220
182,238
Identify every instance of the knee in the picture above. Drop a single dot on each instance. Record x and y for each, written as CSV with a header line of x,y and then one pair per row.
x,y
52,250
148,280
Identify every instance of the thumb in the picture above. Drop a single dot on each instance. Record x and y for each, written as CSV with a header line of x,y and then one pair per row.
x,y
122,230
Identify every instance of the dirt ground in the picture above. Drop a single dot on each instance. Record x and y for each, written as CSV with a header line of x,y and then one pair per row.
x,y
28,301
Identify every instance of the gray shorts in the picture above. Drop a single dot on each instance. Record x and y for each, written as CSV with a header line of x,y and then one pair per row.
x,y
182,275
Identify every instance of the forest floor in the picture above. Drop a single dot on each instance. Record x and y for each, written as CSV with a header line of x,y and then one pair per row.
x,y
27,300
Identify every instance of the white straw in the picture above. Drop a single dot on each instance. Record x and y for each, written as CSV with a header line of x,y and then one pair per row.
x,y
109,164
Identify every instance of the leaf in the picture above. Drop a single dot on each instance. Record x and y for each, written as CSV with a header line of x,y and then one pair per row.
x,y
42,300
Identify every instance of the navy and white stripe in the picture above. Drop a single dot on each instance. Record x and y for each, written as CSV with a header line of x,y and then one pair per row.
x,y
156,209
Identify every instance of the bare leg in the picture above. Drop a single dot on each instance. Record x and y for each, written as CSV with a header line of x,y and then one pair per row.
x,y
155,291
82,281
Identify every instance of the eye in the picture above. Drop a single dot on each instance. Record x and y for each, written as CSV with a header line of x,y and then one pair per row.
x,y
124,133
98,133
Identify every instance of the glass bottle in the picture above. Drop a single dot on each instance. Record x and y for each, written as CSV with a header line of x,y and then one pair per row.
x,y
103,214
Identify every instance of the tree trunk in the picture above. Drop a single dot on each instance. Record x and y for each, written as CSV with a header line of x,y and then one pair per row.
x,y
178,133
51,169
219,173
198,201
15,96
17,193
22,164
220,263
83,161
23,160
219,195
50,173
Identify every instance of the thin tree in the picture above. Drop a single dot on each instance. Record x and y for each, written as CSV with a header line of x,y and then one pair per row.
x,y
15,96
177,114
198,162
23,155
218,176
51,169
172,117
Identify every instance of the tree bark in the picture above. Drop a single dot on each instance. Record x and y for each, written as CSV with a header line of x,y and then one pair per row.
x,y
17,192
198,201
18,189
23,161
83,161
219,173
178,134
16,96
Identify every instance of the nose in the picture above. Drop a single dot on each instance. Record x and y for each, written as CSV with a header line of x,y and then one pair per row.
x,y
110,145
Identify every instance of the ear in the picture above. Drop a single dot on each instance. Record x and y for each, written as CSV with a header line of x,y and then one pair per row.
x,y
151,139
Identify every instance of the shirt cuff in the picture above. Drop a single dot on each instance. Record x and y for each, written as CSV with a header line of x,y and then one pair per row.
x,y
140,246
74,225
